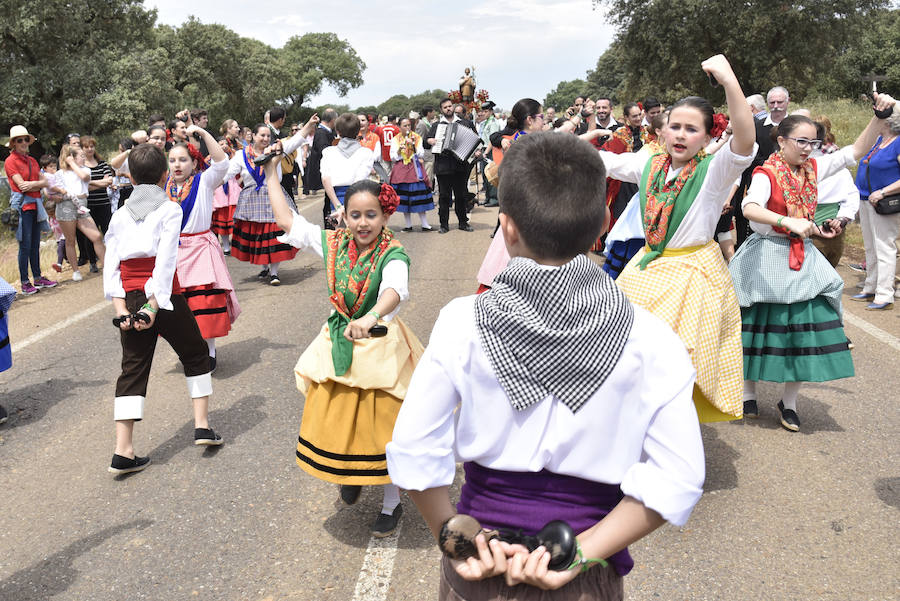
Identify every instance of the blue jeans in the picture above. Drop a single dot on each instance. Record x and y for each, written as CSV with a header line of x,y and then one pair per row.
x,y
29,245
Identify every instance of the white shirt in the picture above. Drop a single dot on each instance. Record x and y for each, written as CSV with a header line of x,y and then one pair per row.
x,y
307,236
155,236
344,171
699,224
201,215
640,429
236,164
74,185
826,165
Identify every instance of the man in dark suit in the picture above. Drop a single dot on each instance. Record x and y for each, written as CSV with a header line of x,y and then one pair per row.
x,y
322,139
452,175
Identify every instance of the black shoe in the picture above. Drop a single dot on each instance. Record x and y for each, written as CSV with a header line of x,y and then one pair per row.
x,y
227,253
751,409
206,437
274,281
789,418
466,227
94,268
407,229
3,414
443,230
427,229
212,364
386,524
263,274
350,493
124,465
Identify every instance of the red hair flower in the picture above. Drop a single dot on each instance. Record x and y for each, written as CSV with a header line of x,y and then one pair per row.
x,y
196,156
720,122
388,199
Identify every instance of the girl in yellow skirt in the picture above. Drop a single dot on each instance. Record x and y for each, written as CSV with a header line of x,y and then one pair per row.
x,y
354,383
680,275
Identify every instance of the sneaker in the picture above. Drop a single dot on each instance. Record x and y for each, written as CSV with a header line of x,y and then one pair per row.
x,y
350,493
124,465
212,364
3,414
206,437
77,277
274,281
56,267
466,227
860,267
94,268
863,297
789,418
263,274
385,524
43,282
751,409
28,289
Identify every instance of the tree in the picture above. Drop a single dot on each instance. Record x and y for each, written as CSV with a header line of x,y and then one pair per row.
x,y
316,59
607,77
875,48
565,93
768,42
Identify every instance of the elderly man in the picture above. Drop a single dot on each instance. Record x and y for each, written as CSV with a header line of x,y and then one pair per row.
x,y
758,106
778,100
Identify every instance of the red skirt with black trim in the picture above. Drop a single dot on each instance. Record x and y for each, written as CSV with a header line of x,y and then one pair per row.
x,y
223,220
210,308
256,243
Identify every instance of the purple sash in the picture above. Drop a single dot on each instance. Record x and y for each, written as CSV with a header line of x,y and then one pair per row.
x,y
527,500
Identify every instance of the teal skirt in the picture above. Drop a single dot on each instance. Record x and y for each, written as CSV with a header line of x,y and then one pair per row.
x,y
800,342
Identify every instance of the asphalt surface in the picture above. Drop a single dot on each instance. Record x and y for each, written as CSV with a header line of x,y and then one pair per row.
x,y
812,515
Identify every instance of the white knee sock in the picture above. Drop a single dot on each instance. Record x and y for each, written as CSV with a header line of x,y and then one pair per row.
x,y
391,498
273,268
226,242
791,392
424,220
749,390
211,343
408,219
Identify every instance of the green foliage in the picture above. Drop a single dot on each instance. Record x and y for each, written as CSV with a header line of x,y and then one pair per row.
x,y
315,59
874,49
401,104
565,92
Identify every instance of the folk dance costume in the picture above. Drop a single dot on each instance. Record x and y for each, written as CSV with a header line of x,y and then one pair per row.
x,y
790,295
141,255
346,163
202,272
409,179
353,389
511,385
254,235
680,275
225,202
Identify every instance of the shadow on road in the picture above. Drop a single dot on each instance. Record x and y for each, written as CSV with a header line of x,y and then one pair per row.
x,y
231,423
237,357
814,417
721,473
31,403
288,277
351,524
888,490
56,573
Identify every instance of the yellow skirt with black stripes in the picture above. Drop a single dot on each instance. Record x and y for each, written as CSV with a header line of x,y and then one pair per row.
x,y
348,420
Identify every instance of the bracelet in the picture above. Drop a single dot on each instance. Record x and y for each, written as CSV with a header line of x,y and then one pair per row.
x,y
375,313
580,560
148,307
778,223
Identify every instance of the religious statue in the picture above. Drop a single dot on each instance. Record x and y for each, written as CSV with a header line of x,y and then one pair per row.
x,y
467,86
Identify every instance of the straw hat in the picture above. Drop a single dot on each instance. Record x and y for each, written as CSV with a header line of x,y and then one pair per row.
x,y
413,115
18,131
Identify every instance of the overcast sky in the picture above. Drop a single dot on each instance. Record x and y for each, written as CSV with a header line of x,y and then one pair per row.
x,y
519,48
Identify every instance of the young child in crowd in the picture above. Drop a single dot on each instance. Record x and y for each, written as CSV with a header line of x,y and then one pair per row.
x,y
53,193
562,399
139,278
75,176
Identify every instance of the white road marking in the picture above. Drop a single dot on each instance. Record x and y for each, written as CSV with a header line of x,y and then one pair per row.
x,y
872,331
49,331
378,565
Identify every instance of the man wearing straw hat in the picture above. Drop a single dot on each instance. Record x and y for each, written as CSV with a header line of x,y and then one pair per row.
x,y
26,181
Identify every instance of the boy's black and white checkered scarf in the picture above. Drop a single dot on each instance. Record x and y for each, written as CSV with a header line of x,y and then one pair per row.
x,y
144,199
553,330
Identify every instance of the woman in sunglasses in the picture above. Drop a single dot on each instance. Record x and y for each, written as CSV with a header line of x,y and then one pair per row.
x,y
790,296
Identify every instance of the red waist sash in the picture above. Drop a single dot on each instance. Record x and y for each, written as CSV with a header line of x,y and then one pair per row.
x,y
136,272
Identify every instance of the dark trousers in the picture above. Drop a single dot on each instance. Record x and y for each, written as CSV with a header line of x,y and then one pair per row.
x,y
455,184
101,213
177,327
287,184
29,245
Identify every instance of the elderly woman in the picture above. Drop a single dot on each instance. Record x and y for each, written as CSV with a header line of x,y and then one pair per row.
x,y
878,176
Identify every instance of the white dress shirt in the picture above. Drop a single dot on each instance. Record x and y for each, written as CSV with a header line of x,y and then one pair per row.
x,y
201,215
344,171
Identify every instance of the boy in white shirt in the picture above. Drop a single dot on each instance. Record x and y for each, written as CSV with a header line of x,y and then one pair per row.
x,y
563,400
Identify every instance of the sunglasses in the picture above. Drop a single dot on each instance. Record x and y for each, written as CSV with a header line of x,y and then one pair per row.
x,y
17,140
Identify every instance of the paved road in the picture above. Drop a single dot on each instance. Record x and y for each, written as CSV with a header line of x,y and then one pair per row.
x,y
812,515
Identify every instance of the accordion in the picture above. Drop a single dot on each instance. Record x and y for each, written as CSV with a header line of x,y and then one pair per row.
x,y
455,140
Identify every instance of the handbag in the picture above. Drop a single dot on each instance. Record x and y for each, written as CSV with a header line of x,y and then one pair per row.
x,y
888,205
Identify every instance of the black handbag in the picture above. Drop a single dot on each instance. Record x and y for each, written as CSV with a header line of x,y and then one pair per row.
x,y
888,205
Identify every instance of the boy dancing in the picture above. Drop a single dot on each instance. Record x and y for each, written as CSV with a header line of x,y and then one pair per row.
x,y
139,278
563,400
